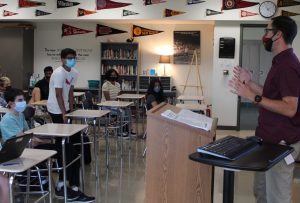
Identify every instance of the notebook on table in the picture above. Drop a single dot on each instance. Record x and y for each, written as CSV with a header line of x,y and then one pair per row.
x,y
14,147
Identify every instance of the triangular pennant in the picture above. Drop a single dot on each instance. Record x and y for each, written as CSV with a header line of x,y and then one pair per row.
x,y
128,13
102,30
1,5
138,31
190,2
83,12
26,4
170,13
247,13
8,13
287,13
286,3
107,4
41,13
235,4
64,4
70,30
210,12
150,2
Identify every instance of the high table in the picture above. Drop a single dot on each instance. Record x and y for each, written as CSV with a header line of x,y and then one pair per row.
x,y
93,114
262,158
63,131
28,159
120,105
136,98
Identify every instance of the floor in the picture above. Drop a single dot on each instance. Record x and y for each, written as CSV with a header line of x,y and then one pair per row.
x,y
123,181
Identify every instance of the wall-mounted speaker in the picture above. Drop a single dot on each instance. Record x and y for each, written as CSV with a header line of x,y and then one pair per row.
x,y
226,47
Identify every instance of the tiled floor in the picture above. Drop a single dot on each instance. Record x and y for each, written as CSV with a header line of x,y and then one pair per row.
x,y
124,180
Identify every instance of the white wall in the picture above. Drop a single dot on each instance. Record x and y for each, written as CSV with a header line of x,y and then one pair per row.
x,y
224,103
48,35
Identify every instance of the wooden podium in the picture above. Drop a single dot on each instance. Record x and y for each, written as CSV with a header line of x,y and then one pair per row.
x,y
171,177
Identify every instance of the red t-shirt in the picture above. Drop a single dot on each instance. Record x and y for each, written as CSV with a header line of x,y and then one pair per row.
x,y
282,80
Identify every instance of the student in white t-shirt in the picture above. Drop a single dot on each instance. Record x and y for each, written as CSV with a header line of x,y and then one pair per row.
x,y
60,102
111,88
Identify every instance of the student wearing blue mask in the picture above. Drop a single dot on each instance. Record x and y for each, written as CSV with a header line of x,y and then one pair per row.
x,y
155,94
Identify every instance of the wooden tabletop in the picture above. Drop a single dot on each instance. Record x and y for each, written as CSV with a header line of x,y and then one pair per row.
x,y
40,103
57,129
192,107
28,159
121,104
88,113
3,110
131,96
190,98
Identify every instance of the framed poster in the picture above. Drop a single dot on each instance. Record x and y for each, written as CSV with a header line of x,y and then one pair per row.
x,y
185,43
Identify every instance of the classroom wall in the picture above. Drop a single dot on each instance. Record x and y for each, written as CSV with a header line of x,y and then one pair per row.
x,y
48,41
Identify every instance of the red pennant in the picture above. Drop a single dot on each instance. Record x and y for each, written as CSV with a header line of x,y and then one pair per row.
x,y
247,13
83,12
107,4
1,5
235,4
70,30
8,13
26,4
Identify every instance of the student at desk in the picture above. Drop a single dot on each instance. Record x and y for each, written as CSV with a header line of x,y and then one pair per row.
x,y
155,94
13,123
4,83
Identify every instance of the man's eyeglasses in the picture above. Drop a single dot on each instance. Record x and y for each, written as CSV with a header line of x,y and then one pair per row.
x,y
269,29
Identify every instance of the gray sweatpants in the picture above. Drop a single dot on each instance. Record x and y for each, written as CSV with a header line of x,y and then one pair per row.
x,y
275,185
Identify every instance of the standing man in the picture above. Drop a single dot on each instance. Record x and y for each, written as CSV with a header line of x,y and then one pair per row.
x,y
279,115
61,86
41,89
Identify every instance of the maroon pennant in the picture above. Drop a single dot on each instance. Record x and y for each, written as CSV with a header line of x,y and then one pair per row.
x,y
236,4
26,4
107,4
70,30
8,13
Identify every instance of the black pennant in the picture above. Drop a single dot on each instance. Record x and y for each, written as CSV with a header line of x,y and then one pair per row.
x,y
64,4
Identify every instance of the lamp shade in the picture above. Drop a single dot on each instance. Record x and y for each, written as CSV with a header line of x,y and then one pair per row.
x,y
164,59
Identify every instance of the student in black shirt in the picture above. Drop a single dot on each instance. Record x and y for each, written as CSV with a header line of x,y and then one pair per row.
x,y
155,94
41,89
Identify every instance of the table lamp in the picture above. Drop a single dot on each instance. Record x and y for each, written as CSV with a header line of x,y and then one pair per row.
x,y
164,60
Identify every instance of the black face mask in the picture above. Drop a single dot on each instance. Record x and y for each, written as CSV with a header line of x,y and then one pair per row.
x,y
8,88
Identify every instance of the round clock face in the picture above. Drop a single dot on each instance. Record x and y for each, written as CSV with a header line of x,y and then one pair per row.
x,y
267,9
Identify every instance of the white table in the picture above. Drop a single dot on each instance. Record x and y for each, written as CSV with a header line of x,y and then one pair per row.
x,y
92,114
183,98
123,105
63,131
78,94
28,159
40,103
136,98
193,107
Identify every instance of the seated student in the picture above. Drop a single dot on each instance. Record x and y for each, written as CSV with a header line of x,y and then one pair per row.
x,y
4,83
41,89
155,94
13,124
111,88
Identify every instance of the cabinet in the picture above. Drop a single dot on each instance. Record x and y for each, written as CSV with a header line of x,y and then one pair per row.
x,y
124,58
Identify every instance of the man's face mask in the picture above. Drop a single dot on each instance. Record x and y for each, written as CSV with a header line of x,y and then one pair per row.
x,y
70,63
268,41
20,106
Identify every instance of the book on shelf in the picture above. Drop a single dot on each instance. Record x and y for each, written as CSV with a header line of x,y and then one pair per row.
x,y
190,118
121,69
119,54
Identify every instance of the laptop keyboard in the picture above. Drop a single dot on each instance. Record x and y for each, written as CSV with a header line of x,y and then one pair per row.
x,y
229,147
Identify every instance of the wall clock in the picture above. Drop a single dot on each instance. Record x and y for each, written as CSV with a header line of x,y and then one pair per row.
x,y
267,9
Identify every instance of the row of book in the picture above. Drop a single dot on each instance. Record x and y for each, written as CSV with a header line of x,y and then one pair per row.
x,y
121,69
119,54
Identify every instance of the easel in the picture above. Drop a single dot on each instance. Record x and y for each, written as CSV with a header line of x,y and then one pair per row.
x,y
194,59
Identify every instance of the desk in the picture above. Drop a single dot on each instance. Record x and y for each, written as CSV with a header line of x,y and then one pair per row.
x,y
92,114
40,103
136,98
123,105
183,98
63,131
28,159
193,107
261,158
